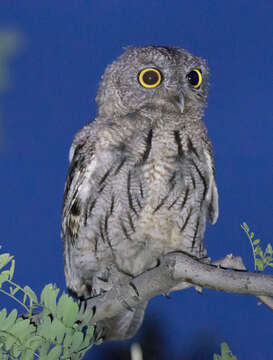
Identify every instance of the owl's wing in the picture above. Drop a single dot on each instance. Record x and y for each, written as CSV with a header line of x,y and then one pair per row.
x,y
76,186
75,201
212,194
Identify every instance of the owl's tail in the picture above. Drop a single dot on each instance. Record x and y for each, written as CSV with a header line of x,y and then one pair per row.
x,y
124,325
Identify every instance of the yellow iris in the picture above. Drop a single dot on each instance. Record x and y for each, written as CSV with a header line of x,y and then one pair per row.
x,y
199,78
149,77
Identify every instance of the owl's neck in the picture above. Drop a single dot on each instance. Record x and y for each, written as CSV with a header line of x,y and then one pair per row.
x,y
170,116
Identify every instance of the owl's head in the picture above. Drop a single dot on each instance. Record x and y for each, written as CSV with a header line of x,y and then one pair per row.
x,y
154,76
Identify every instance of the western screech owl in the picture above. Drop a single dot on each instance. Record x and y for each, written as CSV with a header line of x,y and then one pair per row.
x,y
141,179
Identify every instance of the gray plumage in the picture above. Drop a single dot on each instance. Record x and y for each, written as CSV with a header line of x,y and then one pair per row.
x,y
141,179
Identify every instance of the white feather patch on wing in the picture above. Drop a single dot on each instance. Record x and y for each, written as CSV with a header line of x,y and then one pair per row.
x,y
84,188
71,153
80,185
212,193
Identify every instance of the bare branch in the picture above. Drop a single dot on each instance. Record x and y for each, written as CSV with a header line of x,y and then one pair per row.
x,y
229,262
177,271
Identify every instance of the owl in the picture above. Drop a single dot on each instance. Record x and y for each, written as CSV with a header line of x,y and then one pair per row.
x,y
141,180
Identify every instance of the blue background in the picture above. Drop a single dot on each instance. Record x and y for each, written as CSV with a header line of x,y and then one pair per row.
x,y
54,78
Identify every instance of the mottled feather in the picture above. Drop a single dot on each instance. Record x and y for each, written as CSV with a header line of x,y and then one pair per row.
x,y
141,178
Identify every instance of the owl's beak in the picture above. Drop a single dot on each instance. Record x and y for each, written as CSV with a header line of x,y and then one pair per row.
x,y
178,101
176,97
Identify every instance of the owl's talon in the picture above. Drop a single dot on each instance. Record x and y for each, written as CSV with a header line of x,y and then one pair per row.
x,y
199,289
83,304
158,261
126,305
135,288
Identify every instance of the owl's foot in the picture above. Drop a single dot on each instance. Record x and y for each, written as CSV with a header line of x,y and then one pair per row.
x,y
122,326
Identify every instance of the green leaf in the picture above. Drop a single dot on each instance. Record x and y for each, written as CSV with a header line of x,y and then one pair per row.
x,y
260,264
9,321
57,330
269,249
11,270
60,338
67,309
28,354
268,259
31,294
34,341
226,353
3,314
245,227
10,341
49,296
258,251
261,259
22,328
44,327
77,340
13,290
25,298
67,340
5,259
17,335
44,331
84,315
43,349
89,337
55,353
4,276
255,242
16,351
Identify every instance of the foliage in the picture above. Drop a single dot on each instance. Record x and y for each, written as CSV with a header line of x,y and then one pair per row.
x,y
262,259
62,331
9,43
226,353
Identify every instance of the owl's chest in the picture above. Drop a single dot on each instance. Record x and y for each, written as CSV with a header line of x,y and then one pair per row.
x,y
158,220
160,164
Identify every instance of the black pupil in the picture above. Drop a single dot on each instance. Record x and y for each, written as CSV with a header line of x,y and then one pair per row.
x,y
150,77
193,78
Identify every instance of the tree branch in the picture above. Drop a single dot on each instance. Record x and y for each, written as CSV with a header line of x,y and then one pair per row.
x,y
179,271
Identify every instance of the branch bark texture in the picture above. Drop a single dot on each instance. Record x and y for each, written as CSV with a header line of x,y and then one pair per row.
x,y
178,271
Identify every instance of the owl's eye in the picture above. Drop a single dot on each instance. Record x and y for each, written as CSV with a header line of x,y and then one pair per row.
x,y
195,78
149,77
